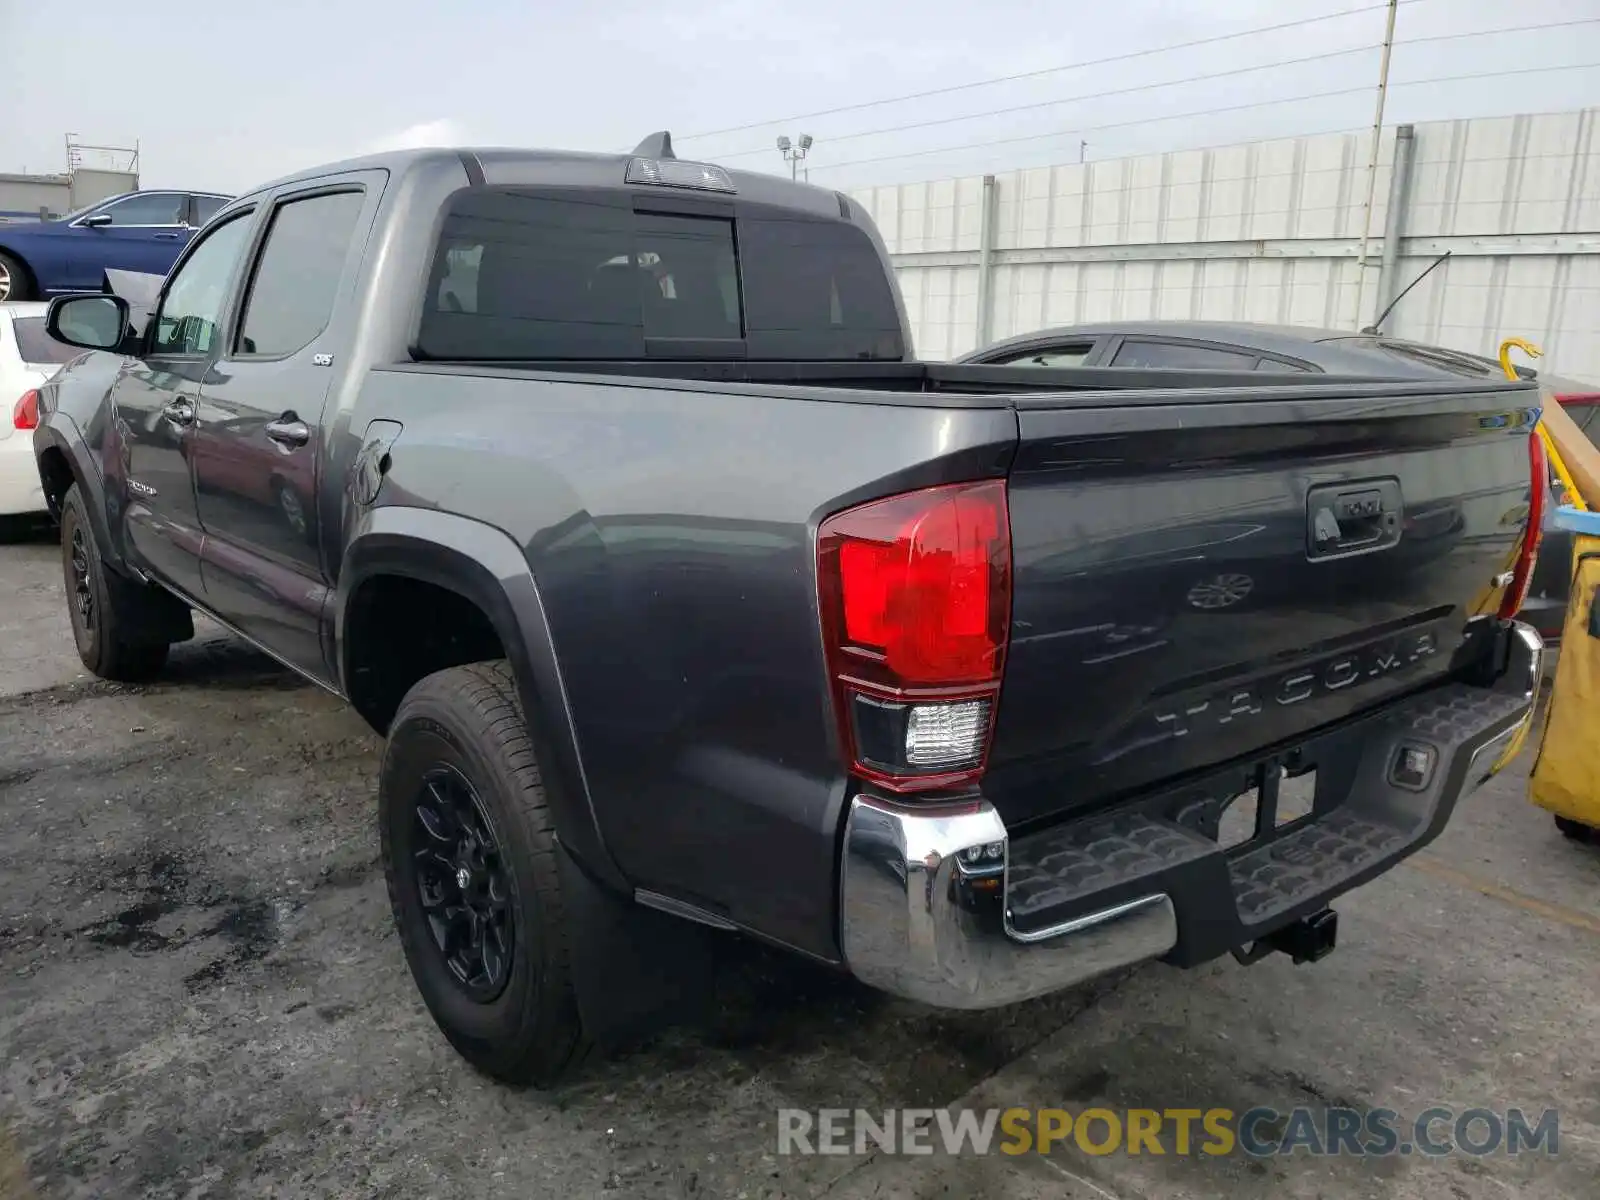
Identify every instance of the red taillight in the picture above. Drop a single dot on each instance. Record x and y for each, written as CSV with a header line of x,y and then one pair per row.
x,y
1579,399
26,413
915,593
1527,554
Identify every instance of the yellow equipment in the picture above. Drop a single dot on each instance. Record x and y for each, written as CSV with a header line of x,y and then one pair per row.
x,y
1566,773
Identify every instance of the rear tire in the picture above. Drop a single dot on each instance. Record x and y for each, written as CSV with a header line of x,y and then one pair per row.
x,y
1577,830
15,283
109,624
463,820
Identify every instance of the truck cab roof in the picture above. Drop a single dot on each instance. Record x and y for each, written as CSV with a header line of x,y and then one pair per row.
x,y
572,168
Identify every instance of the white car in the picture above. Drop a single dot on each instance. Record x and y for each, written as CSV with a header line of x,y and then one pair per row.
x,y
28,357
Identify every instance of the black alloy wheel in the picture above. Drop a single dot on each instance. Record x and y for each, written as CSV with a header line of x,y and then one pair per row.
x,y
471,861
462,884
82,593
121,629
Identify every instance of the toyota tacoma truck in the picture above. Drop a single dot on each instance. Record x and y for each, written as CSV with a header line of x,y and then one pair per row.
x,y
607,489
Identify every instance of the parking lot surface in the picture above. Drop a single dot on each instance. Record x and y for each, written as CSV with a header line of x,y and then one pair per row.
x,y
200,995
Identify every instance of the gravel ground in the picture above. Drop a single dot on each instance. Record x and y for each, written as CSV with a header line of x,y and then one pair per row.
x,y
200,995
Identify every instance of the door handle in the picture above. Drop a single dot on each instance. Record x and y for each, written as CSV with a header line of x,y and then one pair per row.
x,y
180,411
289,430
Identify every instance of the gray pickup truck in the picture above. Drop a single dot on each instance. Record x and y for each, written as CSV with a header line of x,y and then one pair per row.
x,y
607,490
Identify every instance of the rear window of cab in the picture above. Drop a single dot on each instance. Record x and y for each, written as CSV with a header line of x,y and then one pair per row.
x,y
529,274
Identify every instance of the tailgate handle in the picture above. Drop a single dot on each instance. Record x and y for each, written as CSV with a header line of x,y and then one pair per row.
x,y
1359,518
1344,519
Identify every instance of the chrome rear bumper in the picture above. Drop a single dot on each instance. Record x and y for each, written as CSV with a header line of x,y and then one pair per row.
x,y
927,892
916,922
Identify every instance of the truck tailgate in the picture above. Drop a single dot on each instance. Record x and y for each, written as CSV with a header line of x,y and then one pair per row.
x,y
1201,577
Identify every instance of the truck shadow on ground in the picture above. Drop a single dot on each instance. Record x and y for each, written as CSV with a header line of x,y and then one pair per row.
x,y
779,1017
216,661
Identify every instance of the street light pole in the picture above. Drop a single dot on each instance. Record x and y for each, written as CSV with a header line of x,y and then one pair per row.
x,y
794,153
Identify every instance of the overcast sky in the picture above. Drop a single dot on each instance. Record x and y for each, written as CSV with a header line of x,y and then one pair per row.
x,y
224,96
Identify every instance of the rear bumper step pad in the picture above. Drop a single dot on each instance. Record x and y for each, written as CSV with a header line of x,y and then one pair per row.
x,y
1369,812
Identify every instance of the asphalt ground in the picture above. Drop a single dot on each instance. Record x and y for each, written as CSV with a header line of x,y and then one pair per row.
x,y
201,995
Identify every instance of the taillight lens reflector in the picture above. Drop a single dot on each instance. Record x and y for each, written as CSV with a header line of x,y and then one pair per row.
x,y
25,415
915,592
1528,552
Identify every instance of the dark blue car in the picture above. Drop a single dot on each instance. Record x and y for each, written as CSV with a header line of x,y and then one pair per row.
x,y
137,231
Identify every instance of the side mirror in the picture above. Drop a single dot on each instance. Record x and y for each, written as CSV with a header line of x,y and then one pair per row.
x,y
89,322
96,221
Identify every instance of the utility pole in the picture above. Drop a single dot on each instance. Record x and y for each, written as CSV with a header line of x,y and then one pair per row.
x,y
794,153
1083,149
1372,164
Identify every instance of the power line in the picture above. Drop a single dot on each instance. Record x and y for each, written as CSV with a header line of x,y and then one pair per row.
x,y
1304,172
1016,108
1148,87
1207,112
1477,33
1077,66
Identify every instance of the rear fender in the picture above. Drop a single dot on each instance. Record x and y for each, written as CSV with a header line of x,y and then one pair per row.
x,y
483,565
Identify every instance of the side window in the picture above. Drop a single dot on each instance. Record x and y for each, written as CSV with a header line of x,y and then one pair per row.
x,y
1176,354
206,207
297,276
1052,356
1281,366
149,208
191,311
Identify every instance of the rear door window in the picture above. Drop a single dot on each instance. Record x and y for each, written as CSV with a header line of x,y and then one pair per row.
x,y
1185,355
297,275
148,209
530,275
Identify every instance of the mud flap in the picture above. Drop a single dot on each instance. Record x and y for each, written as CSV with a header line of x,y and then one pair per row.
x,y
1566,775
636,971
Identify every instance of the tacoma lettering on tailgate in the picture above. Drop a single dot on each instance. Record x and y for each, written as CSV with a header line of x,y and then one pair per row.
x,y
1203,712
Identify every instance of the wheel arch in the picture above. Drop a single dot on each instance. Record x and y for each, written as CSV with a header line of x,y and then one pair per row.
x,y
21,260
64,461
397,546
